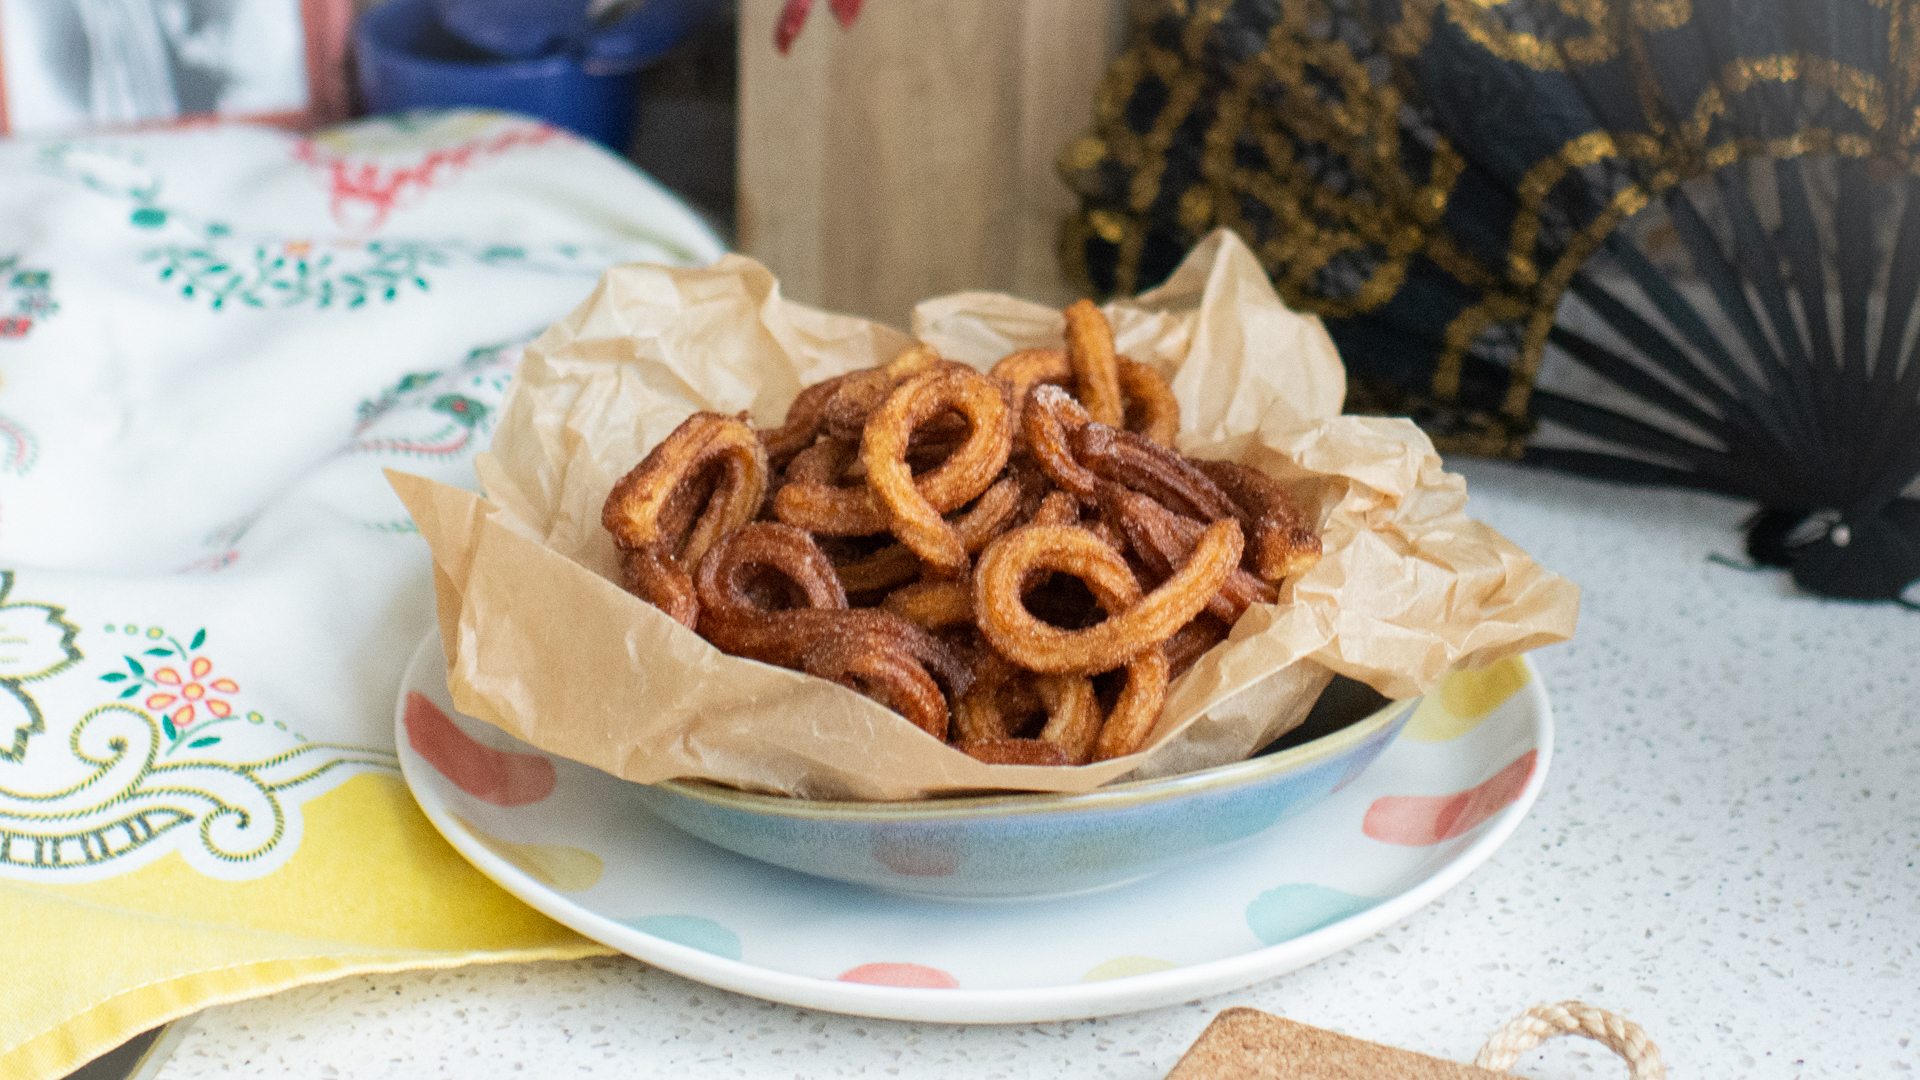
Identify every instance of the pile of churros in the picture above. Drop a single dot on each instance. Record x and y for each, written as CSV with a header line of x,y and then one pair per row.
x,y
1018,562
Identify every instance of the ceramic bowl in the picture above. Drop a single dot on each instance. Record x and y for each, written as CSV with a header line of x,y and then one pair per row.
x,y
1023,846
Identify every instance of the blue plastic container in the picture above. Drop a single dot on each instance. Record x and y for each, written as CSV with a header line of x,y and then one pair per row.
x,y
407,60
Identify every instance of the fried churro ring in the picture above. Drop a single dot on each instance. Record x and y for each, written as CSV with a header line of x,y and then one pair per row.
x,y
978,717
874,652
1281,543
982,712
1026,369
653,576
896,564
891,566
1149,405
873,663
1058,508
1131,722
1134,623
815,497
932,605
724,576
633,510
1073,715
1135,462
1151,409
703,480
1049,421
1096,370
805,418
845,413
916,504
1164,540
1191,641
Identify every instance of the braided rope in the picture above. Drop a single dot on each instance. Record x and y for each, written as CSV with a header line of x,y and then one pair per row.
x,y
1542,1022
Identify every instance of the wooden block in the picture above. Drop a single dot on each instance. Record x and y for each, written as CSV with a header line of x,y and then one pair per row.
x,y
1247,1044
913,153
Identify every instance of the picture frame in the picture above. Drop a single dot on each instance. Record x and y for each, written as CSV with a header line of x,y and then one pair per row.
x,y
71,66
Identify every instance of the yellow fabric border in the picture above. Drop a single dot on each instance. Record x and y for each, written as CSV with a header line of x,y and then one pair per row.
x,y
59,1050
372,888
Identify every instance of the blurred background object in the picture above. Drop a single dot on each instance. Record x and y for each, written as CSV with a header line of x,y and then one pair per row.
x,y
76,65
568,63
1660,241
910,152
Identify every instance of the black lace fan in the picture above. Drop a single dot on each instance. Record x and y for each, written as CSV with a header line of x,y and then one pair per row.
x,y
1656,241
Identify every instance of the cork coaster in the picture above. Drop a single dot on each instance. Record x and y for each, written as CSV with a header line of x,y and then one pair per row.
x,y
1247,1044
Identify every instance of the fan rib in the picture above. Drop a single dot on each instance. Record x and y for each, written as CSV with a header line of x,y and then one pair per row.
x,y
1802,239
1624,374
1603,423
1624,470
1746,398
1854,256
1724,280
1787,353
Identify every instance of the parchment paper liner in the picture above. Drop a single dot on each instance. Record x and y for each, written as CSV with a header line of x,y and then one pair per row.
x,y
542,642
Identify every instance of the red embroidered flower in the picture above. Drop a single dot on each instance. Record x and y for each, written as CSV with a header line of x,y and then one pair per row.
x,y
193,691
15,326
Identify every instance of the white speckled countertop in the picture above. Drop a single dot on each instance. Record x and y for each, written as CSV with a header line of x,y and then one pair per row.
x,y
1727,851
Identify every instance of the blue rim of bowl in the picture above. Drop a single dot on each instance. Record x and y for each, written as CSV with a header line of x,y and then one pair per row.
x,y
1111,797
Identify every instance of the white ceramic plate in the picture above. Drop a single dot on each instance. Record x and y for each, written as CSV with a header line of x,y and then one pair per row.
x,y
575,843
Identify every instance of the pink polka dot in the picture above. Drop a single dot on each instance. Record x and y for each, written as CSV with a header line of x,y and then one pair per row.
x,y
495,776
918,976
1418,820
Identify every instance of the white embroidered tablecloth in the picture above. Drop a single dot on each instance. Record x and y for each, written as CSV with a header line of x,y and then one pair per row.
x,y
211,342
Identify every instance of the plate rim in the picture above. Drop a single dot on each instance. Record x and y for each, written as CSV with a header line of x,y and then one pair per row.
x,y
1072,1001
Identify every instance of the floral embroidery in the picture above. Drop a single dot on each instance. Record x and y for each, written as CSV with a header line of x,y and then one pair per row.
x,y
288,274
181,691
116,786
26,296
362,193
462,402
18,448
210,263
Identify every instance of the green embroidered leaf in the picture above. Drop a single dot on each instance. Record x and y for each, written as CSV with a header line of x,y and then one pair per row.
x,y
114,676
166,725
199,639
135,665
158,652
208,741
129,691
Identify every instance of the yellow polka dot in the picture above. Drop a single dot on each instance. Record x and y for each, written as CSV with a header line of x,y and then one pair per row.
x,y
1463,699
1122,966
557,866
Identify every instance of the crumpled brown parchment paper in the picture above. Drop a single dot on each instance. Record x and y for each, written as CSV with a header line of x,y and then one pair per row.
x,y
542,642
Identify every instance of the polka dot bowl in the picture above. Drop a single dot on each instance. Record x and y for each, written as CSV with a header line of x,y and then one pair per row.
x,y
1033,845
578,845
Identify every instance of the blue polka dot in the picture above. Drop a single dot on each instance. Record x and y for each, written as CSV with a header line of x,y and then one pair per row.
x,y
1289,911
691,931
